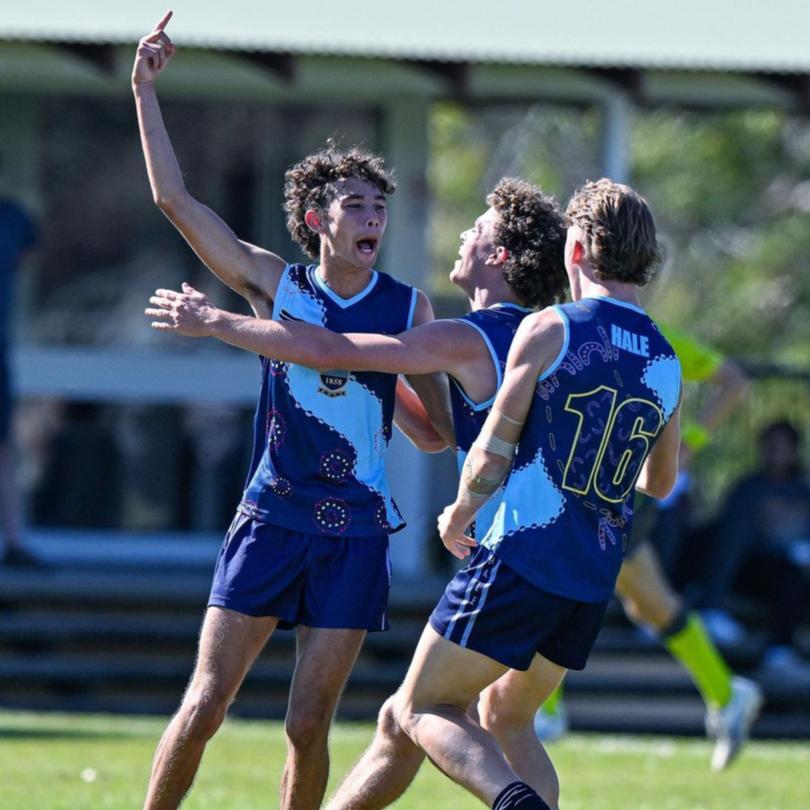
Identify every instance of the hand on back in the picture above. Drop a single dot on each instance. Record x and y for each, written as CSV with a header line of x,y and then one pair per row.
x,y
153,54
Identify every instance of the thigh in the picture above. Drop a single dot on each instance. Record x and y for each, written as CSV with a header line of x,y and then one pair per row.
x,y
325,657
228,646
444,673
642,579
519,694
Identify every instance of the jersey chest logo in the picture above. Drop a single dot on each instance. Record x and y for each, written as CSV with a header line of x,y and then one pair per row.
x,y
334,383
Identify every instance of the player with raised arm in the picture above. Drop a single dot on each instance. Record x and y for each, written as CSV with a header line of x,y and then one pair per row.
x,y
511,259
592,393
309,544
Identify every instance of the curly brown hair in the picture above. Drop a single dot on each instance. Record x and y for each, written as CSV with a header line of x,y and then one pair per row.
x,y
620,241
310,184
531,227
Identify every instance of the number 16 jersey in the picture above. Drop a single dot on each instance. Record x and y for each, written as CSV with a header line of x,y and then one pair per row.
x,y
566,510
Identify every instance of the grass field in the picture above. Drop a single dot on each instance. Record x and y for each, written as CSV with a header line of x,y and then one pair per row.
x,y
72,762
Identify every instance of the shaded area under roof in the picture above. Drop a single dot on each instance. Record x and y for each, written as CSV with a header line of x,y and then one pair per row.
x,y
723,35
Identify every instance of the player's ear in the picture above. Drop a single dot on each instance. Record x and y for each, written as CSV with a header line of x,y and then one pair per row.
x,y
577,252
314,220
498,256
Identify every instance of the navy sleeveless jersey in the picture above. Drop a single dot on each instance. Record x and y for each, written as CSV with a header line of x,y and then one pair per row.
x,y
497,326
320,438
565,513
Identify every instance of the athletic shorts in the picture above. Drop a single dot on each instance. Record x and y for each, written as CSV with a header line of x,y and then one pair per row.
x,y
6,404
308,579
489,608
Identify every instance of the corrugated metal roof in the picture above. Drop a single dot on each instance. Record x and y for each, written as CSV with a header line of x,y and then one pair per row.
x,y
728,35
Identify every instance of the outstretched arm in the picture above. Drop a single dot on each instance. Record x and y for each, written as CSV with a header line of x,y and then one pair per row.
x,y
249,270
432,347
729,384
536,345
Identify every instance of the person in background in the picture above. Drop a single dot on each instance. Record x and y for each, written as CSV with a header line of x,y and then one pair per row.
x,y
763,546
18,235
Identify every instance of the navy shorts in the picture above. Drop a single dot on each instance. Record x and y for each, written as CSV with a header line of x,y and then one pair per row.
x,y
5,398
309,579
489,608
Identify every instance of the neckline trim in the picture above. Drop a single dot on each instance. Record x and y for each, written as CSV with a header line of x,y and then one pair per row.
x,y
343,303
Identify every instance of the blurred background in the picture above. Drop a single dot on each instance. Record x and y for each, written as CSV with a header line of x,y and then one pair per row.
x,y
131,447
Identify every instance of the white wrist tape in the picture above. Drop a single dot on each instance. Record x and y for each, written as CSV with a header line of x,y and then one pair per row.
x,y
492,444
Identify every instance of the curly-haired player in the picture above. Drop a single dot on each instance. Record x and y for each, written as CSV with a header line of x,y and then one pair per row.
x,y
309,544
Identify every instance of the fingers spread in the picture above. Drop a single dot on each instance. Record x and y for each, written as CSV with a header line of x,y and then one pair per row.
x,y
157,313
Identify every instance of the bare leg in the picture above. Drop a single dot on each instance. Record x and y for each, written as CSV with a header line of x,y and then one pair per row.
x,y
647,596
384,771
229,644
507,710
325,659
431,707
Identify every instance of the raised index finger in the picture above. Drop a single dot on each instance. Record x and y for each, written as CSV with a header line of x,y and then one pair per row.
x,y
165,21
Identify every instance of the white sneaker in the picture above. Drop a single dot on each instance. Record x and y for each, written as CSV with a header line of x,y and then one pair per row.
x,y
731,725
550,726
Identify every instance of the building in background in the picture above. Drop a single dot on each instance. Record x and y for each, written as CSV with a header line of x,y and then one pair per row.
x,y
254,87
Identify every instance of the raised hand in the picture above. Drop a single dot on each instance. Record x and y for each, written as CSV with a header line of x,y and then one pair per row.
x,y
154,52
187,313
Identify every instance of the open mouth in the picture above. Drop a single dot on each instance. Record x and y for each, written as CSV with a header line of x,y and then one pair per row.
x,y
367,246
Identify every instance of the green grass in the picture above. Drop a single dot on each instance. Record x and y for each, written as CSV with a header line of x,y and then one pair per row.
x,y
50,761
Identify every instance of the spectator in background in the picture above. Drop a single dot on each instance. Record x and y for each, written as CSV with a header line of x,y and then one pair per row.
x,y
763,547
18,234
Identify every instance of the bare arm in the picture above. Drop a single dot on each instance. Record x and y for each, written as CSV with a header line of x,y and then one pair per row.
x,y
729,384
435,346
249,270
432,388
660,469
536,345
412,419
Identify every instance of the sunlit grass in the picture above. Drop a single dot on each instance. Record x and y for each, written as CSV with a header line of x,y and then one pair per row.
x,y
50,761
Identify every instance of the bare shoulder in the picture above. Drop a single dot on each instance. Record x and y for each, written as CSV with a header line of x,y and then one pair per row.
x,y
423,312
543,326
538,341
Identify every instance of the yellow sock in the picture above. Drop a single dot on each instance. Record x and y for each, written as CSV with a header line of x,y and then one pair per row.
x,y
691,645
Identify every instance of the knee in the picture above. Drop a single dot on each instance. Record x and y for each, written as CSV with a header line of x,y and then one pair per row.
x,y
500,716
388,726
632,609
307,727
404,717
203,711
